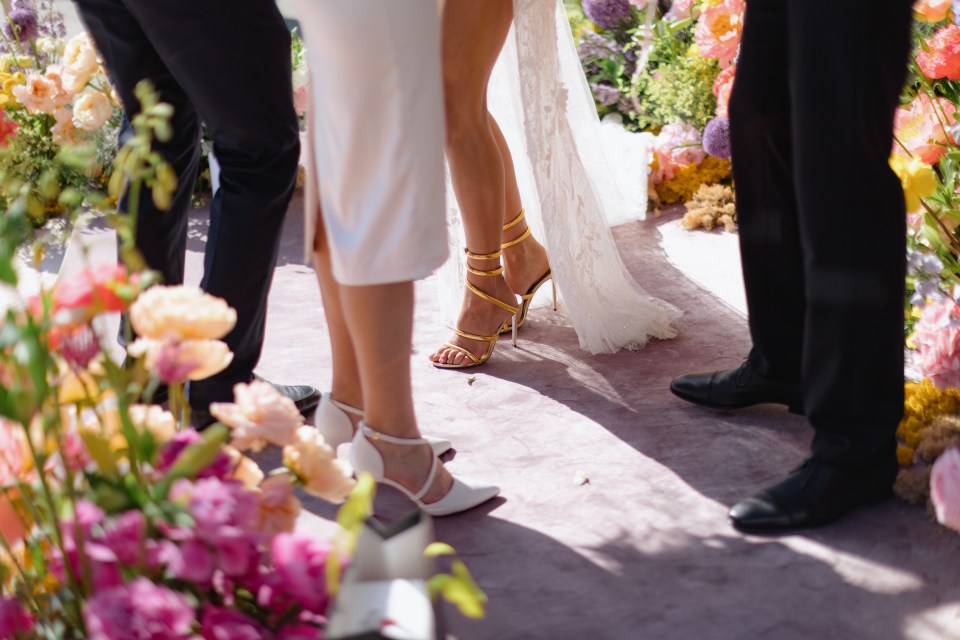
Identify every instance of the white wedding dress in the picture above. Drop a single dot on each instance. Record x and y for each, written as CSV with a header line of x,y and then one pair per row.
x,y
577,176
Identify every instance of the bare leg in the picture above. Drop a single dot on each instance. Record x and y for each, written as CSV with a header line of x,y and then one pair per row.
x,y
525,262
473,34
371,330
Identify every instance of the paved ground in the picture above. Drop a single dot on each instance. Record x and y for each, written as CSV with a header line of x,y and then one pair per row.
x,y
642,551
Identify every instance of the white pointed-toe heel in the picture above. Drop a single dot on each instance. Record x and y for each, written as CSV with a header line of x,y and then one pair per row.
x,y
333,423
464,494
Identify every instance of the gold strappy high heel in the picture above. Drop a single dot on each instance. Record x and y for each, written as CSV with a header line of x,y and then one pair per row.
x,y
473,360
526,298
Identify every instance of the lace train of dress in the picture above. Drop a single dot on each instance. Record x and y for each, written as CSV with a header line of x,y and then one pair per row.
x,y
572,188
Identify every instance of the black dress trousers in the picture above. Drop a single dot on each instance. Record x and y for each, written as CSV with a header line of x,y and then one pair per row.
x,y
822,220
226,64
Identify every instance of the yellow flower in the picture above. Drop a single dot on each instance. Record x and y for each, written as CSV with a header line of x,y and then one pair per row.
x,y
917,179
80,387
182,312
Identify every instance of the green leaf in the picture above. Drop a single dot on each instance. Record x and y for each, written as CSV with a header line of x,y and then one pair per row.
x,y
437,549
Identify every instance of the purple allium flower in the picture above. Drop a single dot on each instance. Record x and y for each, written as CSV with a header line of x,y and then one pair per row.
x,y
140,610
607,14
52,23
13,618
21,25
220,467
605,94
593,45
229,624
716,138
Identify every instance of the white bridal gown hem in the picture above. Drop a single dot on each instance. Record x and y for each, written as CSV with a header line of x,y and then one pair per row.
x,y
576,177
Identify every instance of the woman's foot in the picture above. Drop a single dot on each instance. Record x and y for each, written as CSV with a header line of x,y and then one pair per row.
x,y
524,263
410,466
479,317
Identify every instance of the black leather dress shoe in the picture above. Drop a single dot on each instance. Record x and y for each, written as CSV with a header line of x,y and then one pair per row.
x,y
736,389
306,398
812,496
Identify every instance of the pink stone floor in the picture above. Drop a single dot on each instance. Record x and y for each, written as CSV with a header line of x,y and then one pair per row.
x,y
643,549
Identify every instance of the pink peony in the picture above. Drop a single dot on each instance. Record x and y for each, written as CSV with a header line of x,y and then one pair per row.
x,y
682,9
229,624
219,468
932,10
937,338
300,563
13,618
918,128
124,535
676,146
945,488
718,32
722,88
939,56
140,610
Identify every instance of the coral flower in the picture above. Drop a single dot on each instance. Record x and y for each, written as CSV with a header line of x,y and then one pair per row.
x,y
38,94
91,290
939,57
918,128
932,10
722,88
718,32
8,128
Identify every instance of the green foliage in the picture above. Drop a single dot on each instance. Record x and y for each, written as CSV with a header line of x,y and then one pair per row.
x,y
679,91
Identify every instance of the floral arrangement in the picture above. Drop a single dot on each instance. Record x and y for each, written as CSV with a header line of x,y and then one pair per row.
x,y
669,70
55,94
117,520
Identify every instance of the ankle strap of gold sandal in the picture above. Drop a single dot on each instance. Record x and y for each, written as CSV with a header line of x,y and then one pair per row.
x,y
515,220
523,236
484,256
479,272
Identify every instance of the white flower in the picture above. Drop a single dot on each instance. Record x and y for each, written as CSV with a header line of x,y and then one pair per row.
x,y
91,111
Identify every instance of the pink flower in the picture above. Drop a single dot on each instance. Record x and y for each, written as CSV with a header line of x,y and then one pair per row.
x,y
722,88
718,32
38,94
932,10
229,624
939,57
918,127
13,618
945,488
175,361
258,415
80,346
937,338
300,564
219,468
92,290
682,9
140,610
300,632
124,535
301,100
677,145
8,128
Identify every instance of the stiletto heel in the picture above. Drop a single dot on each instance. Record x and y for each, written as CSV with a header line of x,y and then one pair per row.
x,y
527,298
333,423
463,495
472,359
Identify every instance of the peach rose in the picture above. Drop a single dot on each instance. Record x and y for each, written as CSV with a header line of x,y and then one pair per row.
x,y
279,508
244,469
182,312
259,415
91,111
932,10
38,94
316,465
154,420
945,488
79,62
